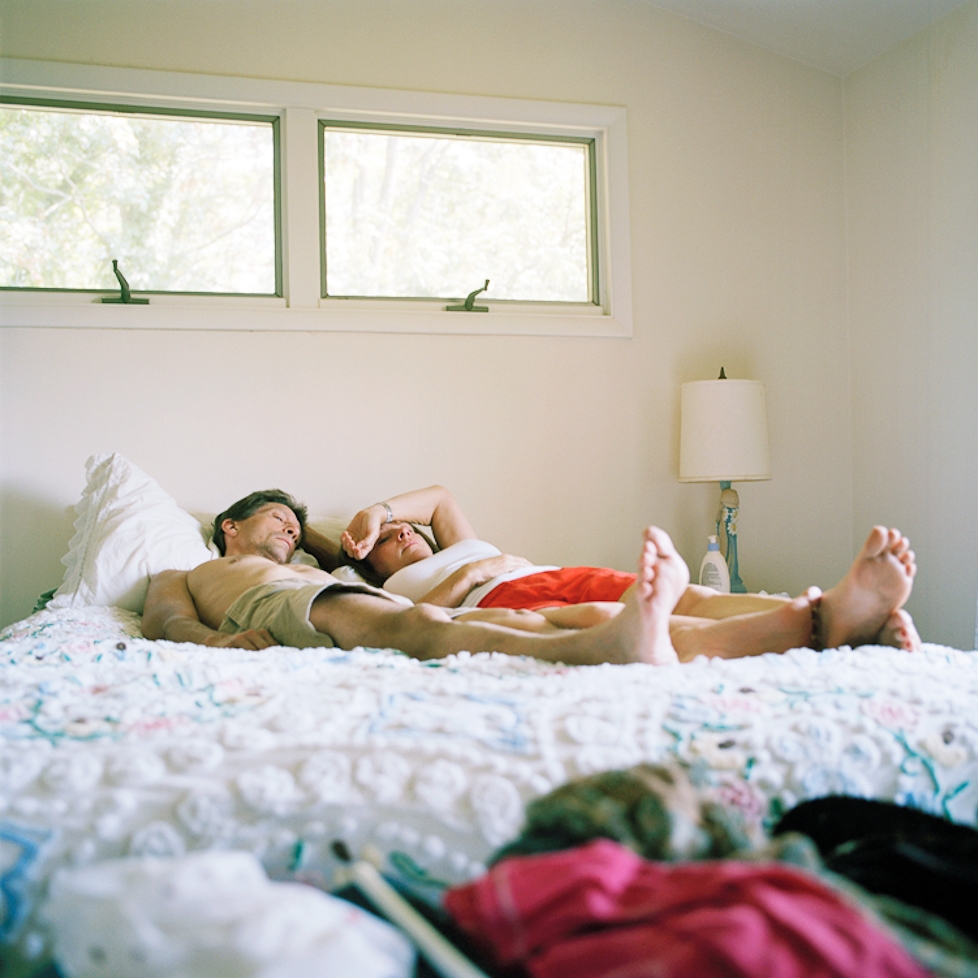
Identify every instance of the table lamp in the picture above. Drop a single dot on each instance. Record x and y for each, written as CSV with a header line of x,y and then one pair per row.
x,y
723,438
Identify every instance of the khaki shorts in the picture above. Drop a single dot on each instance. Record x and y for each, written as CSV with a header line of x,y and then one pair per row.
x,y
283,608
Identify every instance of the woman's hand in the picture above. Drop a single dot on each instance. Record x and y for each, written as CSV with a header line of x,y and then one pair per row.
x,y
489,567
486,569
359,537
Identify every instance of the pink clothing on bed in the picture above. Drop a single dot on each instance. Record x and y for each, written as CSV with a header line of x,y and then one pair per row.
x,y
601,911
559,587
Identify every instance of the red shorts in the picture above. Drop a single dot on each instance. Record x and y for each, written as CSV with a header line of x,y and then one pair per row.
x,y
558,588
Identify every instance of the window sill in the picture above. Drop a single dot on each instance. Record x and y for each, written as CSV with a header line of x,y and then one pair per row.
x,y
246,314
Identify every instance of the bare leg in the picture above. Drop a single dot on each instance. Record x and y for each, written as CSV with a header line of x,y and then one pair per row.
x,y
573,616
877,584
781,624
704,602
640,633
519,618
584,615
788,625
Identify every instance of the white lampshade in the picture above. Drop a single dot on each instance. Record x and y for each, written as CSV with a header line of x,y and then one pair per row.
x,y
723,436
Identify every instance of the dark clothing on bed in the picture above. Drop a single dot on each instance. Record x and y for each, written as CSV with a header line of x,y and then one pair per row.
x,y
920,859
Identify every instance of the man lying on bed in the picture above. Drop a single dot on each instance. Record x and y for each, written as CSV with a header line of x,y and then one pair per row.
x,y
866,607
253,598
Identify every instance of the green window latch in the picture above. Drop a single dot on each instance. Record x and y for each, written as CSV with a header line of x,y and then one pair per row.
x,y
125,294
468,305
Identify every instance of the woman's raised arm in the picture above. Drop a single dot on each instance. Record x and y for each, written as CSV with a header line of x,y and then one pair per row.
x,y
435,507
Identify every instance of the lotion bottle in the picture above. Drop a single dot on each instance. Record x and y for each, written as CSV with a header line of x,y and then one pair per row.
x,y
713,569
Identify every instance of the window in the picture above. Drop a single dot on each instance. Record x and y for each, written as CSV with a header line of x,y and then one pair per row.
x,y
184,204
255,204
433,214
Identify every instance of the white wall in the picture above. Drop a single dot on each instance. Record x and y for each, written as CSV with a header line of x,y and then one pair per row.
x,y
912,149
560,449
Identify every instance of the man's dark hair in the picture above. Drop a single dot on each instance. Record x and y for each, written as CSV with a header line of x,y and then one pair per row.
x,y
250,505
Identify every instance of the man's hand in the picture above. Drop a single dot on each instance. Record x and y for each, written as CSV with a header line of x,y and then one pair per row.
x,y
254,638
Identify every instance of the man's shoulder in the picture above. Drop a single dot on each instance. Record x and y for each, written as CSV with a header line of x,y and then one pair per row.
x,y
239,563
163,576
254,568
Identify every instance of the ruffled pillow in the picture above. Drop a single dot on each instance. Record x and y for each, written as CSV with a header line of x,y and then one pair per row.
x,y
128,528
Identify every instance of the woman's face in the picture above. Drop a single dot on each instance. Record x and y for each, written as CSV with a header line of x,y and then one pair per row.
x,y
397,546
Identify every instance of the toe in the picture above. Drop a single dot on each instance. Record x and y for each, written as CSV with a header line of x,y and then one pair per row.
x,y
900,547
908,563
661,540
876,542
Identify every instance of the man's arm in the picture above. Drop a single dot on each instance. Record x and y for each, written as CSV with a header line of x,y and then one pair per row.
x,y
435,507
326,553
170,613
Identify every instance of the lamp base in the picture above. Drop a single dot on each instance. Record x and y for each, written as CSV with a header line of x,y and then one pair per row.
x,y
729,505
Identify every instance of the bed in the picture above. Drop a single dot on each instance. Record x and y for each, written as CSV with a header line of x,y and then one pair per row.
x,y
115,745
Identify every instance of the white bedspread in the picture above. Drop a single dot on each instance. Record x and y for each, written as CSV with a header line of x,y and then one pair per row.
x,y
116,745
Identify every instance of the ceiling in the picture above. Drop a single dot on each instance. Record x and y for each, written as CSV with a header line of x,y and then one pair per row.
x,y
837,36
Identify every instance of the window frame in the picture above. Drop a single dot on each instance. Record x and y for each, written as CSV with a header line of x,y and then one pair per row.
x,y
300,106
174,113
587,143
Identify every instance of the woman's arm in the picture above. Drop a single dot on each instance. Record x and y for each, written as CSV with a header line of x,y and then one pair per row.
x,y
435,507
451,592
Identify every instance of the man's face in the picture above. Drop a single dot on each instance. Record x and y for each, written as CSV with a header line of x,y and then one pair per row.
x,y
397,546
271,531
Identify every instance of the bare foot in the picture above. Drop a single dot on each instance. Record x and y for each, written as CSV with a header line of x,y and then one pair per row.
x,y
643,624
900,632
878,583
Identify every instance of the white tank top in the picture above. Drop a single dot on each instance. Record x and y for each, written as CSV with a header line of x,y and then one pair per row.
x,y
417,579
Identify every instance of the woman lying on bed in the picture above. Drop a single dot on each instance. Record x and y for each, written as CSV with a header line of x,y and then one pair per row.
x,y
457,570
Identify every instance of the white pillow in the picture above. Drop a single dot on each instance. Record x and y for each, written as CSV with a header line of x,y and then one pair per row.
x,y
127,529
